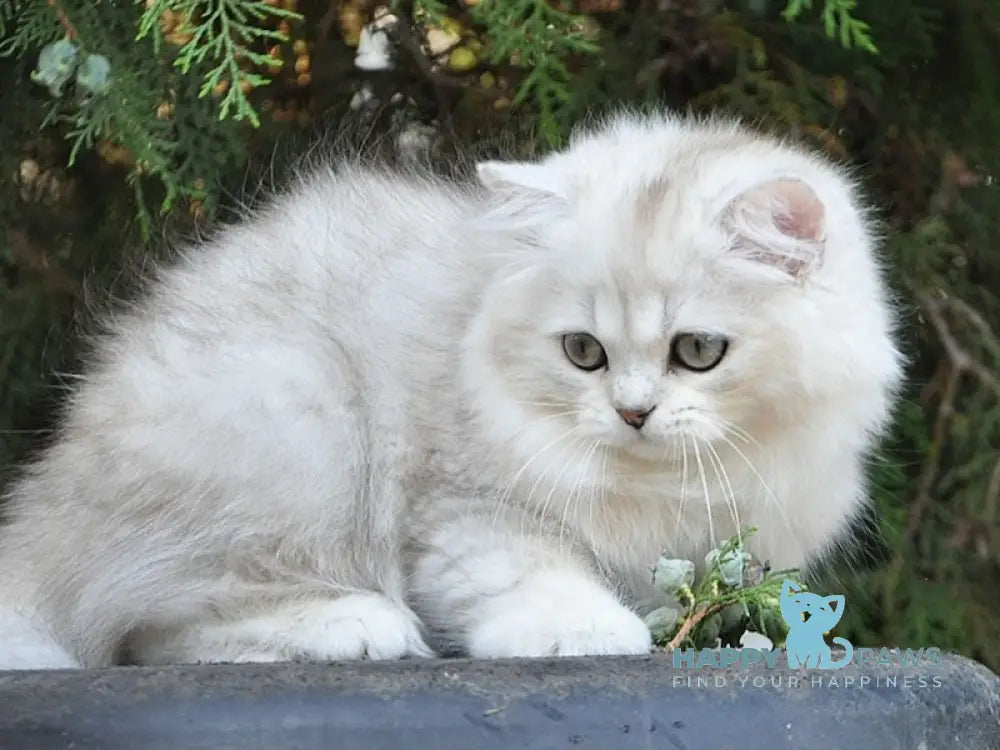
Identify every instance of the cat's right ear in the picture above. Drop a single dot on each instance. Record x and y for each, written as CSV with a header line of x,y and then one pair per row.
x,y
522,194
781,224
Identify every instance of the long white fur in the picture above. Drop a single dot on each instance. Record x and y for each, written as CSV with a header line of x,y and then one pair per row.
x,y
346,425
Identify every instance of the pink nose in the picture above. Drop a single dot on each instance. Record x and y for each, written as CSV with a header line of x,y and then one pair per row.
x,y
634,418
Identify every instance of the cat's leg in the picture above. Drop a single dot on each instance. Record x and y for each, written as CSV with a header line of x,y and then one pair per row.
x,y
26,644
203,515
353,626
498,592
26,640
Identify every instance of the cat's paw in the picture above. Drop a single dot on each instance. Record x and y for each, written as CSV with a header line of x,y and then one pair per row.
x,y
567,626
24,646
357,626
25,654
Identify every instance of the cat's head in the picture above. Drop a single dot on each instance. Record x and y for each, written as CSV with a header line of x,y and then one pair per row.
x,y
812,612
667,283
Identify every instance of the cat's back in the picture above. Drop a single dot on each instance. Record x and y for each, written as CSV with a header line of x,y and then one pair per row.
x,y
346,253
337,236
270,333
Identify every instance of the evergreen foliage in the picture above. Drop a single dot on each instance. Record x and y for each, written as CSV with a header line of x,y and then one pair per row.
x,y
125,120
735,594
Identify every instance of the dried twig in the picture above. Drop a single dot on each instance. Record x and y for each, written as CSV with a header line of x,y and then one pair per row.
x,y
992,495
443,84
411,45
959,363
61,14
932,465
440,82
988,337
689,624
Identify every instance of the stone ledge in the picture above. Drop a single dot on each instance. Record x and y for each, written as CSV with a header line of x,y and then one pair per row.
x,y
609,703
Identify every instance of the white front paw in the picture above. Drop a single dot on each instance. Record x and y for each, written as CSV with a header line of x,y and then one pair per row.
x,y
577,626
23,645
356,626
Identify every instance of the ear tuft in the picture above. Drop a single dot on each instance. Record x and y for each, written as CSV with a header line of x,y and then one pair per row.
x,y
524,196
519,177
781,223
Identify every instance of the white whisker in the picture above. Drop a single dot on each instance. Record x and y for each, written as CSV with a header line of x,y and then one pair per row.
x,y
771,497
684,474
555,482
595,489
723,476
704,487
512,484
571,497
738,432
527,504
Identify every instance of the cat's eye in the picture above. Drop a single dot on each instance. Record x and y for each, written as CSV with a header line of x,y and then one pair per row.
x,y
584,351
699,352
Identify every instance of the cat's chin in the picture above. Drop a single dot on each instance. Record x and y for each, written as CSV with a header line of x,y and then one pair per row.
x,y
647,454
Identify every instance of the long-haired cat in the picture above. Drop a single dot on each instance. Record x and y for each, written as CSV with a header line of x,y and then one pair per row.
x,y
392,413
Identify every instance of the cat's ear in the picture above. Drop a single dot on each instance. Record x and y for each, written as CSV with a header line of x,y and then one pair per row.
x,y
835,603
520,177
523,195
780,223
788,587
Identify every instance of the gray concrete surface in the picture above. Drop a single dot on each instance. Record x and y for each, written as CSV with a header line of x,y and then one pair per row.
x,y
607,703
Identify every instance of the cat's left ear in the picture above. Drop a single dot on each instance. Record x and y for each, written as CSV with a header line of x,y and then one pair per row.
x,y
781,223
523,196
520,177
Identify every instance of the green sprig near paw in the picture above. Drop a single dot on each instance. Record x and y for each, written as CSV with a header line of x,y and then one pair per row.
x,y
736,595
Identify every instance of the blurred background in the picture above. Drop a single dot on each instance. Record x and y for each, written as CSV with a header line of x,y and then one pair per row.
x,y
127,124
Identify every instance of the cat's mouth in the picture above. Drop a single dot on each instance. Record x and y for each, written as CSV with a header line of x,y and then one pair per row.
x,y
806,616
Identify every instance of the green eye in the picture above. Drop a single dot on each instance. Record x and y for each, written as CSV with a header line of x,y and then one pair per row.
x,y
698,352
584,351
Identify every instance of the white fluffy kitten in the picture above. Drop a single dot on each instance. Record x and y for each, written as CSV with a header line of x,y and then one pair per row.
x,y
390,411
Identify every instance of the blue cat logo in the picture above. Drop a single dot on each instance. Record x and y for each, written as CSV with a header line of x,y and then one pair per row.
x,y
809,616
